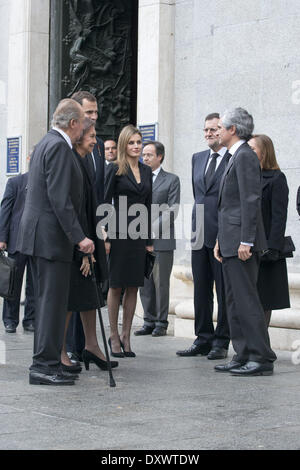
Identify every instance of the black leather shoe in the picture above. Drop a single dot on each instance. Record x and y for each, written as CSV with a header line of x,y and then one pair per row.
x,y
37,378
194,350
145,330
10,328
252,368
29,327
217,353
159,331
74,369
228,366
70,375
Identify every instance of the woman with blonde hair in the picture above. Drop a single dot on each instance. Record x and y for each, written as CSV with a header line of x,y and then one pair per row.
x,y
128,183
272,282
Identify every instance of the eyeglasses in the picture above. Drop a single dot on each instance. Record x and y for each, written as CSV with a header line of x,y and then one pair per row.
x,y
210,129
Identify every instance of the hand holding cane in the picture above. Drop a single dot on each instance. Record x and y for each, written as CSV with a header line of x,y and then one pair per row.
x,y
112,382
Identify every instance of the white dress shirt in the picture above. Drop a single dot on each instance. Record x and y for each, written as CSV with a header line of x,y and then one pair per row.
x,y
235,146
221,153
155,173
65,136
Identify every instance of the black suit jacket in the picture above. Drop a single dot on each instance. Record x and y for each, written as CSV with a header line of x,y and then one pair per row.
x,y
275,198
207,196
49,227
239,207
99,171
12,207
126,186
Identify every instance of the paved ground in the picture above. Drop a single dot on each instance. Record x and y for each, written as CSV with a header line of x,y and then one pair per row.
x,y
161,402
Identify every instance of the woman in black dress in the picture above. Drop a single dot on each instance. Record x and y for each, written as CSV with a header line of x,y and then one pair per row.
x,y
128,182
272,282
82,295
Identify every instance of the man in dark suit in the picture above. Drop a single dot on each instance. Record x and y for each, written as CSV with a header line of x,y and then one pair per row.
x,y
96,162
111,151
97,157
49,230
207,170
12,207
241,239
166,194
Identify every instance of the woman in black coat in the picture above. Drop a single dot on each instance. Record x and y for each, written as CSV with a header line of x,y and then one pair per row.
x,y
128,185
272,278
82,294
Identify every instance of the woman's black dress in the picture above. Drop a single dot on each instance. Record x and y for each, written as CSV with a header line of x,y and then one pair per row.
x,y
82,294
127,255
272,282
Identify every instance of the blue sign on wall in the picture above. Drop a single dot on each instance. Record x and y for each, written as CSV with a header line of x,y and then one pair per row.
x,y
149,132
13,155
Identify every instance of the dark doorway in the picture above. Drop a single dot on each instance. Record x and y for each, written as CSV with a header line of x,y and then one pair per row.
x,y
93,47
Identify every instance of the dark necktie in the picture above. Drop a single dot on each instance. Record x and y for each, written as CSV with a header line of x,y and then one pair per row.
x,y
211,170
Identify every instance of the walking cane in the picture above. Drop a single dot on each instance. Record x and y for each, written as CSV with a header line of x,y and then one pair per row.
x,y
112,382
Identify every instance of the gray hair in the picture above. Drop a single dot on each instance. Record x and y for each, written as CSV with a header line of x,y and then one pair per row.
x,y
66,110
241,119
87,124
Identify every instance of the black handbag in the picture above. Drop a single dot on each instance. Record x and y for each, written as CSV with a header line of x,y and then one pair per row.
x,y
7,276
270,256
288,248
149,263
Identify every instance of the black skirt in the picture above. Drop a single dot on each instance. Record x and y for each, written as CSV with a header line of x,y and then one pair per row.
x,y
272,285
82,293
127,263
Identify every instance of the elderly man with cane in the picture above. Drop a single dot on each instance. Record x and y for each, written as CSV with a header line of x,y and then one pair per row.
x,y
49,231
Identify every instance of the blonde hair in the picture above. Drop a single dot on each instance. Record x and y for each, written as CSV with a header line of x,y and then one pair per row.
x,y
125,135
268,157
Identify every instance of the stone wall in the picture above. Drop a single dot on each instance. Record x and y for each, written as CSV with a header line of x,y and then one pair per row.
x,y
238,53
4,31
24,29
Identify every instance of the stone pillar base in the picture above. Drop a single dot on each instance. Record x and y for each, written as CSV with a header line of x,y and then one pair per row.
x,y
285,324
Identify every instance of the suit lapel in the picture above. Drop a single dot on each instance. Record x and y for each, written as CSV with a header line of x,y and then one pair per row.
x,y
159,179
219,171
132,178
229,165
199,171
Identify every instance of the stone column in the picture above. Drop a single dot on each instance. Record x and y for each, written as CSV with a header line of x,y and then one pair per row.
x,y
156,70
28,72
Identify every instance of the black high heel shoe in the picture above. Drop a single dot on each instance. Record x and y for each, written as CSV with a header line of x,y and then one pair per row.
x,y
127,353
120,354
88,357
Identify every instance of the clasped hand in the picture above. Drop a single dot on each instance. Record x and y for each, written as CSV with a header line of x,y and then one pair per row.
x,y
85,266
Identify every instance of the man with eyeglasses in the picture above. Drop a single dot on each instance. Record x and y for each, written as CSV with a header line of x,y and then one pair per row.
x,y
207,169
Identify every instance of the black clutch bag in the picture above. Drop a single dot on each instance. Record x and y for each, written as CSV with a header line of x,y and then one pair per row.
x,y
270,256
288,248
149,263
7,276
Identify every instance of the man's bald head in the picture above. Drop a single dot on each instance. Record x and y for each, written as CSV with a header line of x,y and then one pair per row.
x,y
67,110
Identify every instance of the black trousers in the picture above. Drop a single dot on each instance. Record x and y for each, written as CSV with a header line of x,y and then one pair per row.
x,y
11,308
248,330
75,340
207,271
51,288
